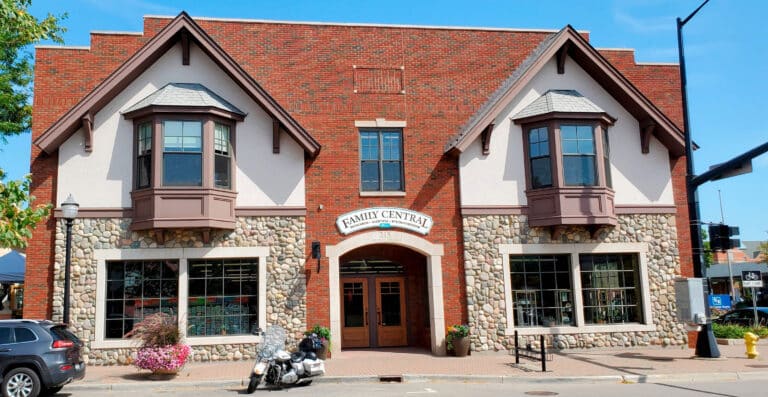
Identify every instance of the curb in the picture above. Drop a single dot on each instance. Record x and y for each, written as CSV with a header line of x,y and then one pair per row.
x,y
419,378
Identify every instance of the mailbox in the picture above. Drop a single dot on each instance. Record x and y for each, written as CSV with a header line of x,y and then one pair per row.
x,y
689,295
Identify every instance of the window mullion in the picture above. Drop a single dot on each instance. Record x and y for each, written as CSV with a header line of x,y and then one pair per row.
x,y
381,161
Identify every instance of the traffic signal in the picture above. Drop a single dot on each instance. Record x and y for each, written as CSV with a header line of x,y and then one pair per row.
x,y
720,237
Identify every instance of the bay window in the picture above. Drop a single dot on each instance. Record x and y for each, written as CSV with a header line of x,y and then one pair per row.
x,y
567,161
187,182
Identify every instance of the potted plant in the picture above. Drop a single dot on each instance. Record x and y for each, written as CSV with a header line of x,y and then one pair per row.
x,y
457,339
325,337
161,350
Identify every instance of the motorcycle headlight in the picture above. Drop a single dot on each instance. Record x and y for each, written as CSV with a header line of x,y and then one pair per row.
x,y
259,368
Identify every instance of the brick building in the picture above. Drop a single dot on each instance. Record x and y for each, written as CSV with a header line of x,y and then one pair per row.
x,y
385,181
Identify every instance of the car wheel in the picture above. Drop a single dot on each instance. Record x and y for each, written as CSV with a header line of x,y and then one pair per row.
x,y
51,391
21,382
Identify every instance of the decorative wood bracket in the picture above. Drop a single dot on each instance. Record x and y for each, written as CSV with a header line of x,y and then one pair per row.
x,y
556,232
206,235
486,139
159,236
275,136
185,48
562,54
646,131
88,128
594,231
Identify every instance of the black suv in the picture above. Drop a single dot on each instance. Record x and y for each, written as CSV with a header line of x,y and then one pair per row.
x,y
37,358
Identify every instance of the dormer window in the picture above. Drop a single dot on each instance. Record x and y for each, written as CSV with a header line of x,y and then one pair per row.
x,y
187,182
567,160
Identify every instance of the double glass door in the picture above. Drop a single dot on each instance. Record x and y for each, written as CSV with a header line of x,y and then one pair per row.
x,y
373,312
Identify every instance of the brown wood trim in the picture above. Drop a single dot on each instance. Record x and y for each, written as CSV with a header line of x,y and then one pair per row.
x,y
486,139
626,209
156,47
565,117
98,213
275,136
239,211
623,209
271,211
646,132
88,127
184,48
186,110
562,54
494,210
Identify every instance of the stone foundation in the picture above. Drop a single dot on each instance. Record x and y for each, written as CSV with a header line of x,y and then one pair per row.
x,y
485,279
286,284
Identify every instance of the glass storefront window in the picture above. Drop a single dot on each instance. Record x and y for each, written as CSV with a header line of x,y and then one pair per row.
x,y
611,288
136,289
223,297
541,290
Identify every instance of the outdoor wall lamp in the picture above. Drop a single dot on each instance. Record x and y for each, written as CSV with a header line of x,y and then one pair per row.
x,y
69,210
316,253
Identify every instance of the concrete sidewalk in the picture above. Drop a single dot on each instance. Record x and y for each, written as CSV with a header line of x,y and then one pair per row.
x,y
647,364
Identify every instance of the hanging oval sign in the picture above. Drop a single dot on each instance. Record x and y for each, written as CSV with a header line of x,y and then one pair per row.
x,y
384,218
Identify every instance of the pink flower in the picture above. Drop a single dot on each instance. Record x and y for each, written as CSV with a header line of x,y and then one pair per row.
x,y
168,358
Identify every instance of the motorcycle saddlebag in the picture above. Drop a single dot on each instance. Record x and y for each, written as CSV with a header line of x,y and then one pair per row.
x,y
314,367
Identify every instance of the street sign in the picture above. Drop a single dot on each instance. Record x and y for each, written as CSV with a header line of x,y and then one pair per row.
x,y
751,279
720,301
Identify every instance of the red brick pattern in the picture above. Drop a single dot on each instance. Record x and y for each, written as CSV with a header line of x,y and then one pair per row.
x,y
308,69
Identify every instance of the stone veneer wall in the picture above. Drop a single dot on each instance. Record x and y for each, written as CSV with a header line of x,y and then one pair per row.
x,y
286,284
485,279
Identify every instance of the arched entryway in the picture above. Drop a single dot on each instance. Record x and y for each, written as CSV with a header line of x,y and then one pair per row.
x,y
392,282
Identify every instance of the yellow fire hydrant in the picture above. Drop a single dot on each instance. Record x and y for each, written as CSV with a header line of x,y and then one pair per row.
x,y
750,341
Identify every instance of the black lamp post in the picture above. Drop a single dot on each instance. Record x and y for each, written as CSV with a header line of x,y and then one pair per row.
x,y
69,210
706,345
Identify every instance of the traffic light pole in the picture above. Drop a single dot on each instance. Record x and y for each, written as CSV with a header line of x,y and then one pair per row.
x,y
706,345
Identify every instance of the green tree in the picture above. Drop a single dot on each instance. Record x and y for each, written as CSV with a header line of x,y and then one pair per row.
x,y
764,251
18,30
17,218
708,256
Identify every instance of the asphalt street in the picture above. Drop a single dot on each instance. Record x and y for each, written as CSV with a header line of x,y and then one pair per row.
x,y
741,388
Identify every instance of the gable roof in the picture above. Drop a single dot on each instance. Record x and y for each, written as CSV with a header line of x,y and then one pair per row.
x,y
181,28
568,41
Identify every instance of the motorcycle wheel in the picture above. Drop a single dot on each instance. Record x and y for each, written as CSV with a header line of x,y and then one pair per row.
x,y
305,383
253,384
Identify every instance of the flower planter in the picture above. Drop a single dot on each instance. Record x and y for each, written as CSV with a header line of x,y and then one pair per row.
x,y
163,361
322,352
461,346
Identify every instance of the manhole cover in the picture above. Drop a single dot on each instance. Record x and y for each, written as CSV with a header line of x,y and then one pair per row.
x,y
541,393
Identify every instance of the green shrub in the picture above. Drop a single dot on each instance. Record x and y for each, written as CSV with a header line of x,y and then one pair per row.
x,y
729,331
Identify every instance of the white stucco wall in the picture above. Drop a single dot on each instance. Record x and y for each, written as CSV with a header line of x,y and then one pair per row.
x,y
499,178
103,178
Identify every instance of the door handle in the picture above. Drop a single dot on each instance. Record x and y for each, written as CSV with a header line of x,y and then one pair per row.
x,y
378,316
366,319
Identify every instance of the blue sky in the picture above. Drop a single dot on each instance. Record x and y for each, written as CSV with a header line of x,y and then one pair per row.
x,y
726,56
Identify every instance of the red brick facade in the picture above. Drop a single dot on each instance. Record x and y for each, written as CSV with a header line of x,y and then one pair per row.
x,y
447,74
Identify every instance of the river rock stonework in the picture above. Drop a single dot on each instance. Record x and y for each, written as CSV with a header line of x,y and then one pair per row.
x,y
286,284
483,234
